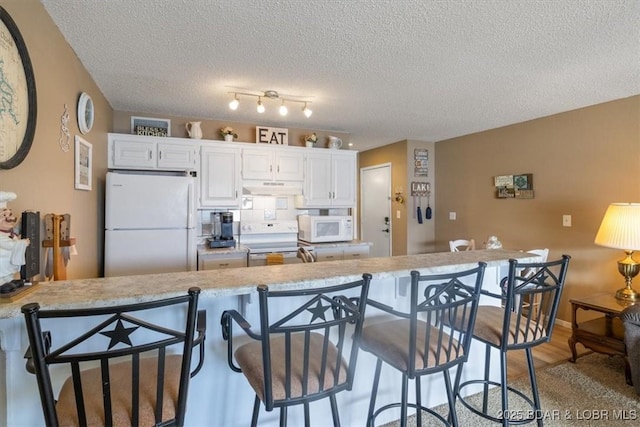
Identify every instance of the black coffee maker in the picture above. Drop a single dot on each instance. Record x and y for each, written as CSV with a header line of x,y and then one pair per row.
x,y
221,230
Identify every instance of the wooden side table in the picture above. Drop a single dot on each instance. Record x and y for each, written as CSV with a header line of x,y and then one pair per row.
x,y
603,334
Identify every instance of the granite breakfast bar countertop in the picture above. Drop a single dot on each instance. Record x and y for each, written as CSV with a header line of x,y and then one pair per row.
x,y
238,281
234,288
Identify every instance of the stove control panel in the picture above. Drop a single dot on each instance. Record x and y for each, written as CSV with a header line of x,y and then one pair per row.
x,y
269,227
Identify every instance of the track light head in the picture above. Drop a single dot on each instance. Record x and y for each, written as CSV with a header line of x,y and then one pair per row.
x,y
234,104
260,107
283,109
307,111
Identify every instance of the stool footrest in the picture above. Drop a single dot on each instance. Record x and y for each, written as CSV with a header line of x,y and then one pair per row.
x,y
409,405
483,414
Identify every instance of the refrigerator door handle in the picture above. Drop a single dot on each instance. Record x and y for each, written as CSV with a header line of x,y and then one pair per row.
x,y
190,206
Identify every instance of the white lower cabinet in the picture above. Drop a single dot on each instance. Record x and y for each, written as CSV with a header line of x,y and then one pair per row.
x,y
219,261
220,176
342,252
356,252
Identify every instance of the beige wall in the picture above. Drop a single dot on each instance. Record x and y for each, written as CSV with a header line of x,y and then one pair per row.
x,y
420,237
581,161
44,181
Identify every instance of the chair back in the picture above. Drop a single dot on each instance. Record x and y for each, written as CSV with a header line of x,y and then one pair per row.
x,y
305,255
433,333
531,303
128,364
326,322
462,245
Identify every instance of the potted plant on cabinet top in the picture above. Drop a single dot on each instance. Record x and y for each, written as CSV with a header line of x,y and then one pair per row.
x,y
310,140
228,134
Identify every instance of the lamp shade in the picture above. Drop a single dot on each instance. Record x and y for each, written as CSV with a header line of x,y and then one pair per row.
x,y
620,227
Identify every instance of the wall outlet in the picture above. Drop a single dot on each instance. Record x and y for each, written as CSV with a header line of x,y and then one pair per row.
x,y
452,216
566,220
398,214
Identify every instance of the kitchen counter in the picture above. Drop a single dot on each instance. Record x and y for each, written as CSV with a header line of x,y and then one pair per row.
x,y
217,393
204,250
335,244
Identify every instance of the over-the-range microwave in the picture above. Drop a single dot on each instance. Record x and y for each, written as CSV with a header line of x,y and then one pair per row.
x,y
319,229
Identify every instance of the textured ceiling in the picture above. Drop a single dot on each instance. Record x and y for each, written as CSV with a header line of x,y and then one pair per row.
x,y
382,71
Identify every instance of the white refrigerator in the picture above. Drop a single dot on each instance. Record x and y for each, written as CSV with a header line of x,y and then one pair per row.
x,y
149,224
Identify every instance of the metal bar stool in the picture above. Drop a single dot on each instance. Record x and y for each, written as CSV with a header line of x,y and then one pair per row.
x,y
514,326
307,354
142,378
422,341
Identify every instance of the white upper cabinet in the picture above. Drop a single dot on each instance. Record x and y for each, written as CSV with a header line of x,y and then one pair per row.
x,y
272,164
330,179
152,153
220,176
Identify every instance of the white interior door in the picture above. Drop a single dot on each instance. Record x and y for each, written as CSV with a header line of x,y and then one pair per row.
x,y
375,196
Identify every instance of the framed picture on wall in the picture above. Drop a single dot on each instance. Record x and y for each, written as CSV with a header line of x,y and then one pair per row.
x,y
150,126
83,164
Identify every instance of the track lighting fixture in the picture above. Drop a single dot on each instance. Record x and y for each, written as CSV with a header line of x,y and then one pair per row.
x,y
270,94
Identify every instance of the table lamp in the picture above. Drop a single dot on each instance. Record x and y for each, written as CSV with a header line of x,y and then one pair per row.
x,y
620,229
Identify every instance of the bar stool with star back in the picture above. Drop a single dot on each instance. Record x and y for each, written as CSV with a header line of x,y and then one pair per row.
x,y
517,325
308,339
420,341
142,378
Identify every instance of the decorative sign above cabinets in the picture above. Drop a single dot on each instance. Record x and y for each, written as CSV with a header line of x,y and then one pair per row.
x,y
514,186
277,136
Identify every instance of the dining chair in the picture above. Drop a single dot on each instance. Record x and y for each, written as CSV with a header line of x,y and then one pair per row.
x,y
128,364
420,341
462,245
306,348
517,325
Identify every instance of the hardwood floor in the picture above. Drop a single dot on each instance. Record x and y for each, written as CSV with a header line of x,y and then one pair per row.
x,y
550,353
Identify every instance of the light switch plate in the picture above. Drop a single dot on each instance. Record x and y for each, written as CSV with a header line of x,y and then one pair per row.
x,y
566,220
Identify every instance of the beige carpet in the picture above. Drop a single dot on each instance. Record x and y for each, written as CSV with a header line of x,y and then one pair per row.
x,y
590,392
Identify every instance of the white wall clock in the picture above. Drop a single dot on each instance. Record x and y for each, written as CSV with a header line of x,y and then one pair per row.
x,y
85,113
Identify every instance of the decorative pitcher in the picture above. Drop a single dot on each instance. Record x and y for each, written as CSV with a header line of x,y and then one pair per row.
x,y
194,130
335,142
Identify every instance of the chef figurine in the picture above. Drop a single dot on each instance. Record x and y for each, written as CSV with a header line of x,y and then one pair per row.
x,y
12,248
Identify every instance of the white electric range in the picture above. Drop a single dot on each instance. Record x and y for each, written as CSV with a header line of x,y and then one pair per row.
x,y
267,237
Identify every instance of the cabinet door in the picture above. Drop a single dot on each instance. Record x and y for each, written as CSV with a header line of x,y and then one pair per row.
x,y
289,165
132,154
356,252
177,156
220,177
317,182
343,180
257,164
329,254
216,262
